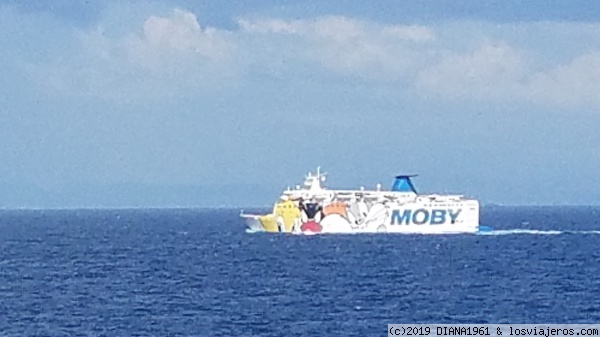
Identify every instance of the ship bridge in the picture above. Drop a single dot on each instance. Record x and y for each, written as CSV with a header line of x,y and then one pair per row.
x,y
404,184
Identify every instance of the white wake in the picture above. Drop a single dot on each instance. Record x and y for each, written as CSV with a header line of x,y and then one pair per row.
x,y
493,232
537,232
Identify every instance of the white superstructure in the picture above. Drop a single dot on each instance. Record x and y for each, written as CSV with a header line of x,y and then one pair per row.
x,y
311,209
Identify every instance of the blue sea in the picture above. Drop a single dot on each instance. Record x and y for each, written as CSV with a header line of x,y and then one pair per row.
x,y
196,272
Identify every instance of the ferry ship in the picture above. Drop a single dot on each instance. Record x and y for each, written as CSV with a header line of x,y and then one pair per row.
x,y
313,209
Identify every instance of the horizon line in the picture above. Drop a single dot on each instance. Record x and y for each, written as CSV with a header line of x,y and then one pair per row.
x,y
242,207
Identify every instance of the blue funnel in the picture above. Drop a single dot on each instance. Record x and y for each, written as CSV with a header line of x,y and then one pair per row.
x,y
403,184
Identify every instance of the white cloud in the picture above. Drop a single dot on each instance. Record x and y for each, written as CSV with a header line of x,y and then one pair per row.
x,y
168,55
500,62
574,83
174,54
493,71
351,46
501,72
178,35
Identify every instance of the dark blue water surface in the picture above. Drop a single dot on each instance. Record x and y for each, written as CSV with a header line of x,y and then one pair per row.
x,y
198,273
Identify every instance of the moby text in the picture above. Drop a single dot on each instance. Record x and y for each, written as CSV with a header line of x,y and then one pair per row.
x,y
422,216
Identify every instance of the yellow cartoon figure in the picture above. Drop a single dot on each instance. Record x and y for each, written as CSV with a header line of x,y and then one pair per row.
x,y
287,214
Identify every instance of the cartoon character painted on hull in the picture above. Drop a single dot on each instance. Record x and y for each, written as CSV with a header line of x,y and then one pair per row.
x,y
355,216
312,213
288,215
311,216
341,216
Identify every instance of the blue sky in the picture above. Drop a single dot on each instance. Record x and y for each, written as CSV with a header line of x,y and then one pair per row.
x,y
198,103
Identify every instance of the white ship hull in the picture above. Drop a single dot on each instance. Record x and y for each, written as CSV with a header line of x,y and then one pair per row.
x,y
404,220
316,210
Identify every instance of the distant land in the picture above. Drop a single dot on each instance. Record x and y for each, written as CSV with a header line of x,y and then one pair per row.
x,y
120,196
138,196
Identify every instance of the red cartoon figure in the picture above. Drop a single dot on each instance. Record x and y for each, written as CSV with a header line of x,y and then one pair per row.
x,y
312,213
